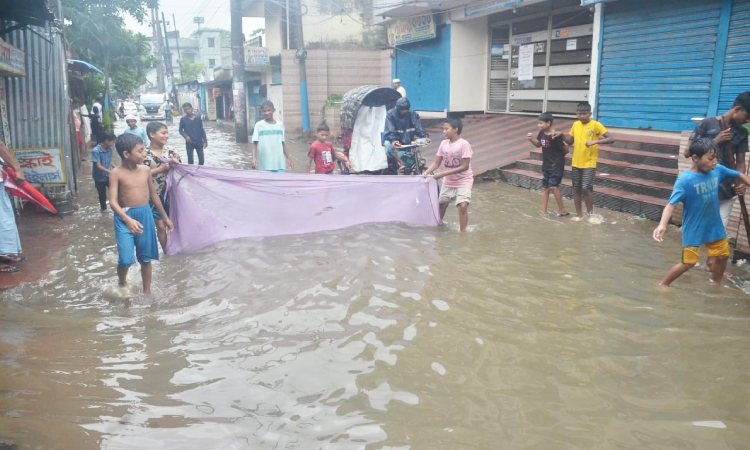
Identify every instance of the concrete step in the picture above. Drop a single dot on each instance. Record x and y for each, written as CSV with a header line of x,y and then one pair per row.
x,y
604,197
628,184
631,156
666,175
670,146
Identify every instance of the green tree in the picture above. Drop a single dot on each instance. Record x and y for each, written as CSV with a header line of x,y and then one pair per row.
x,y
189,71
97,33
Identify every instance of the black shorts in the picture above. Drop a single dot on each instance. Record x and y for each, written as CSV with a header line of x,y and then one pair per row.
x,y
584,178
551,178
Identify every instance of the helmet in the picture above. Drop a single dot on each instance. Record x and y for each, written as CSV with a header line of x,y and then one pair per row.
x,y
403,104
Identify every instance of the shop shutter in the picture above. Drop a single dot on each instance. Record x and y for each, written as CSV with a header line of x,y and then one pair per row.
x,y
656,63
736,75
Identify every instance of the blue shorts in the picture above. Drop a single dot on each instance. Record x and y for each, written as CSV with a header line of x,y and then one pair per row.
x,y
551,178
145,244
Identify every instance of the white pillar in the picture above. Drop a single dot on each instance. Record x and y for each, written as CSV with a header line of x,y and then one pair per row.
x,y
595,57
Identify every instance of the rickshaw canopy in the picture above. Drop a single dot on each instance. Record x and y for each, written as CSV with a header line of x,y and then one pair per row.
x,y
365,95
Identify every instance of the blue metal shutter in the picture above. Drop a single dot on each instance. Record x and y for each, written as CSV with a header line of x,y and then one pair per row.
x,y
424,70
656,63
736,75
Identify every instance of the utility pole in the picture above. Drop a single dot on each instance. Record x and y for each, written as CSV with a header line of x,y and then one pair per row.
x,y
169,55
301,56
161,82
177,40
238,73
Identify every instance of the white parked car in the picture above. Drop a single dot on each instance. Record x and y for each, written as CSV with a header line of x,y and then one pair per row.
x,y
130,108
151,106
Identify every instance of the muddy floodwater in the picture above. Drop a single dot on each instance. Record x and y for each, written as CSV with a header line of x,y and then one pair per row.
x,y
524,333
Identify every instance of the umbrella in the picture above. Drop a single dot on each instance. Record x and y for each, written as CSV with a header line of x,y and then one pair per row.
x,y
25,191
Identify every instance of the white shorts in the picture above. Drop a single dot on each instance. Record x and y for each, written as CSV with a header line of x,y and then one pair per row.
x,y
462,195
725,209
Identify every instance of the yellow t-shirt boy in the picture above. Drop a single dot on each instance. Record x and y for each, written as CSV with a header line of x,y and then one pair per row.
x,y
585,157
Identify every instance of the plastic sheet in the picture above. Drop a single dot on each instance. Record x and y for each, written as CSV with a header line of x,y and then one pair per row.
x,y
210,204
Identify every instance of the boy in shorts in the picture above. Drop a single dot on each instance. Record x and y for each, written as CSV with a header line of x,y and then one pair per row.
x,y
130,189
698,190
553,161
585,136
455,154
322,153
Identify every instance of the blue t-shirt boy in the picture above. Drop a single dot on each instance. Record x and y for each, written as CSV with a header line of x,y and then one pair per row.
x,y
699,193
103,157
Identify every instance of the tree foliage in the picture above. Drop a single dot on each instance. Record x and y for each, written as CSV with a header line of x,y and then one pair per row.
x,y
189,71
97,33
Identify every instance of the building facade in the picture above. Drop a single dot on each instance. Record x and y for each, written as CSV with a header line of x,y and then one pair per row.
x,y
640,64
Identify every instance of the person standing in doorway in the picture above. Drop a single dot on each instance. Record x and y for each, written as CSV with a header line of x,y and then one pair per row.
x,y
191,128
397,86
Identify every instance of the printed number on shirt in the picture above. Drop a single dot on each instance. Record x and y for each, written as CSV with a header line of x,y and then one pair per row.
x,y
452,160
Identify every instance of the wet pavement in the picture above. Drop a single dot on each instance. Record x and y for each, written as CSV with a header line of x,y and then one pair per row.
x,y
524,333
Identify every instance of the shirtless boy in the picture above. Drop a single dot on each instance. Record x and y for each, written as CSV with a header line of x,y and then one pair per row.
x,y
130,189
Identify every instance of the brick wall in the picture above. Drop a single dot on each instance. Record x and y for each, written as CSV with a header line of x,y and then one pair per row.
x,y
328,72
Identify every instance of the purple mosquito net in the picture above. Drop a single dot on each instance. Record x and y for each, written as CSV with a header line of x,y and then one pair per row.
x,y
211,204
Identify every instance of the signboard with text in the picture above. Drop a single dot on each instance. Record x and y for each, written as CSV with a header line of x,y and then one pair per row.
x,y
256,56
412,29
41,166
12,60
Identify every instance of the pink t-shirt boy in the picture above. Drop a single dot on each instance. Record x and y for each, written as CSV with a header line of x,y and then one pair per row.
x,y
455,155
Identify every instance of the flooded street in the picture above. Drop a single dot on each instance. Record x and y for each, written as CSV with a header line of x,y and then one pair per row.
x,y
524,333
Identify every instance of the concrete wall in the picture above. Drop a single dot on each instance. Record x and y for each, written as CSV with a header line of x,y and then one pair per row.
x,y
328,72
205,52
274,35
338,29
469,65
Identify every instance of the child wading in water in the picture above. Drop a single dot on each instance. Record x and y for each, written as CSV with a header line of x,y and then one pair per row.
x,y
323,154
101,161
553,161
130,189
455,154
698,190
585,136
159,156
269,149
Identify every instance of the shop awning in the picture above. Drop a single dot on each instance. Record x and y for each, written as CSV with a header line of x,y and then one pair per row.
x,y
30,12
83,66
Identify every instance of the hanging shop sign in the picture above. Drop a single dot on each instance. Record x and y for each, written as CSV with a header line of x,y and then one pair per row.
x,y
12,60
256,56
413,29
41,166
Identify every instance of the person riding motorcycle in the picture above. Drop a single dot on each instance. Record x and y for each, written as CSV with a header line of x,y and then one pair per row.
x,y
402,126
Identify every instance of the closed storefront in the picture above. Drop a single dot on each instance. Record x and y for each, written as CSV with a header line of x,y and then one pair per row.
x,y
542,62
736,69
666,63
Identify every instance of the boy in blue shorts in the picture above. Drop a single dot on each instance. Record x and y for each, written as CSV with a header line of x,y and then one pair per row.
x,y
553,161
130,189
698,190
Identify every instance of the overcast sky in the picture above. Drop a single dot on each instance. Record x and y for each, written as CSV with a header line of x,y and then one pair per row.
x,y
215,14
